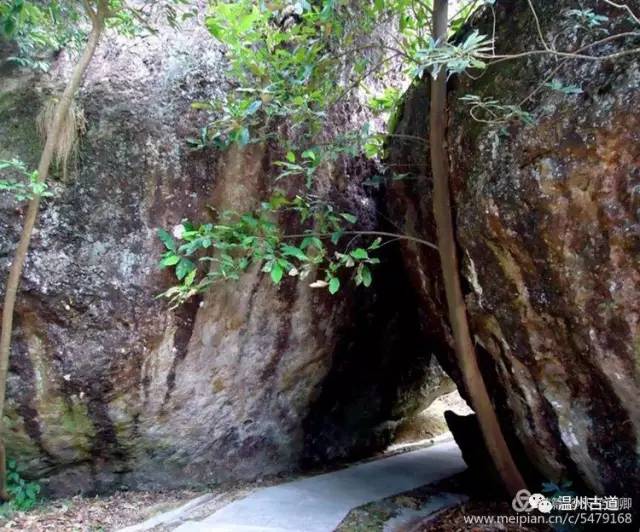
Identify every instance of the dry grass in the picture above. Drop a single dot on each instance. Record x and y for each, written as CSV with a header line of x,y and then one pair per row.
x,y
72,127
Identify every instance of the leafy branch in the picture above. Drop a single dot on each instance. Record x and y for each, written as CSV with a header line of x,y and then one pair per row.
x,y
202,255
26,188
285,59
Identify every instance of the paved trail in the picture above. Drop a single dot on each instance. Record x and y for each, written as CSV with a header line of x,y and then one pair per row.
x,y
320,503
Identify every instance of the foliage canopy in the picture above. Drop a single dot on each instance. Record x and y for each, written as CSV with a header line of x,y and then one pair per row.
x,y
294,63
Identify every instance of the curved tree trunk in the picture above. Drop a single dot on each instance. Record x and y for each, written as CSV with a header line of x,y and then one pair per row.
x,y
465,351
17,265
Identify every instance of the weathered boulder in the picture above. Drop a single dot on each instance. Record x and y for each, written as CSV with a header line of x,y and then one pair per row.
x,y
107,386
548,224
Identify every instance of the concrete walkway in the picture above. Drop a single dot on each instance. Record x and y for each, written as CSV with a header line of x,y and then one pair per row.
x,y
320,503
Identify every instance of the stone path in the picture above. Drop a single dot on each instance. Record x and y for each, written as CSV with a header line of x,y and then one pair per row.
x,y
320,503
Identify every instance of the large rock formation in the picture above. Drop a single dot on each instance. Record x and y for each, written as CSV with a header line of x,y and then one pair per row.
x,y
107,386
548,223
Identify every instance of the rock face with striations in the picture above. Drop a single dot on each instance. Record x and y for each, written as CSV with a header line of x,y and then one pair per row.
x,y
107,386
548,224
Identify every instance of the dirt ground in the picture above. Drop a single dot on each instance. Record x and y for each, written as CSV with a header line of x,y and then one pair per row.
x,y
108,514
81,514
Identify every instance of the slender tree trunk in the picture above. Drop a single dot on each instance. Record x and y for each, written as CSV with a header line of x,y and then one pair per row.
x,y
465,351
15,272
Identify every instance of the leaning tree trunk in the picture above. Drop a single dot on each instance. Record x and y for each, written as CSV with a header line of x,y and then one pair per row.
x,y
15,273
464,349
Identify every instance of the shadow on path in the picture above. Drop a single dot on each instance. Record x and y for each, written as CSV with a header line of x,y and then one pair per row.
x,y
320,503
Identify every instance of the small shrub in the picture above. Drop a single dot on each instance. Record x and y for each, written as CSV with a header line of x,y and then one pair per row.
x,y
24,494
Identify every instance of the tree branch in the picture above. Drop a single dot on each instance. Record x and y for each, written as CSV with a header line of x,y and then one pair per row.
x,y
626,8
368,233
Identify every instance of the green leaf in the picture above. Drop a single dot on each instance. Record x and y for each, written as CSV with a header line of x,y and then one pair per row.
x,y
311,241
214,28
276,273
167,240
184,267
277,201
359,254
170,260
309,154
366,276
188,280
246,21
565,89
293,251
349,217
253,107
9,26
243,136
334,285
291,157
